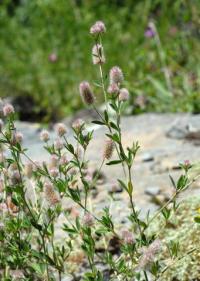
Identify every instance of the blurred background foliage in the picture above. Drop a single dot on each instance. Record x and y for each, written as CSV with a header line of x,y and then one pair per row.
x,y
45,51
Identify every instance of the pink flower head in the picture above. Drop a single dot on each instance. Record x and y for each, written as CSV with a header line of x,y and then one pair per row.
x,y
86,93
128,237
63,160
8,109
54,172
123,94
116,75
44,135
53,57
58,144
88,219
97,28
149,253
113,89
149,32
60,129
18,137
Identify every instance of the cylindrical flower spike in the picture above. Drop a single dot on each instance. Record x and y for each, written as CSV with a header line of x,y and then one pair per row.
x,y
108,149
149,253
8,109
50,194
123,94
78,124
88,219
116,75
98,54
97,28
86,93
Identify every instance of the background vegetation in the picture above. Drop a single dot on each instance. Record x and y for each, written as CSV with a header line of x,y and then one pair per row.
x,y
44,52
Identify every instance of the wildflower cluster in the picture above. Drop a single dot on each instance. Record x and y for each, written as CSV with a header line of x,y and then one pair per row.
x,y
39,199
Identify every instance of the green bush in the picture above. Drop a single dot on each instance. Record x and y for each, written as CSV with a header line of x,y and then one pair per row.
x,y
33,30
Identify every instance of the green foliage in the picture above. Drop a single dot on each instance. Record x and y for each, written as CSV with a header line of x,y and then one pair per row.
x,y
33,30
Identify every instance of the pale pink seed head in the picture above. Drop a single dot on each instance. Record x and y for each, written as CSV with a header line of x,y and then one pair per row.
x,y
54,172
44,136
127,236
113,89
50,194
8,109
123,94
18,137
28,170
88,220
97,28
58,144
116,75
108,149
60,129
63,160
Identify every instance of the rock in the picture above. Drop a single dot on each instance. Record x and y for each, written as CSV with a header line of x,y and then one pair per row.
x,y
153,190
147,157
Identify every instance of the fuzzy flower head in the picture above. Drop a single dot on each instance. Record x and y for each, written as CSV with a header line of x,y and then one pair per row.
x,y
86,93
149,253
58,144
18,137
127,236
8,109
88,219
98,54
50,194
108,149
63,160
113,89
116,75
44,136
53,57
54,172
54,161
97,28
60,129
123,94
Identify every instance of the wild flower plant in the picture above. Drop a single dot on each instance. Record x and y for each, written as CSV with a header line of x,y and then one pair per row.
x,y
33,197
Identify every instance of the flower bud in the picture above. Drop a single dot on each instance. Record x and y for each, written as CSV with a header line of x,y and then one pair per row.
x,y
54,172
97,28
63,160
88,220
113,89
44,136
123,94
108,149
8,109
78,124
98,54
86,93
127,236
116,75
58,144
60,129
